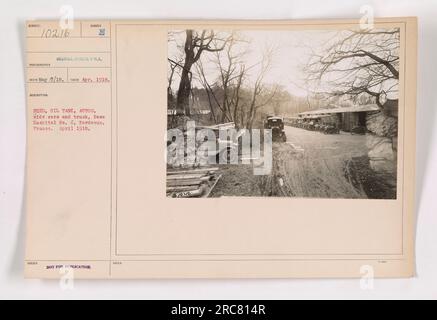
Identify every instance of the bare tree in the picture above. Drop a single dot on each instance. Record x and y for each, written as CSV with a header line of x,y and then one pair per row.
x,y
228,91
224,93
174,66
363,62
231,73
238,100
236,97
212,99
259,89
195,44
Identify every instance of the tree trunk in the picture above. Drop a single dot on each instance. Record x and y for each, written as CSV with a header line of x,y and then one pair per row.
x,y
183,97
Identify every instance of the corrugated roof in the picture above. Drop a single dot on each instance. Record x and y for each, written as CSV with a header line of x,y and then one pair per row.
x,y
365,108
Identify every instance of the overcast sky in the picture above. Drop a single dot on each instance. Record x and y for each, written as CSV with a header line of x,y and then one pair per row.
x,y
291,52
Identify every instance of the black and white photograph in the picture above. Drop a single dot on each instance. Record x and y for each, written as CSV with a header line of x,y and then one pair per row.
x,y
297,140
283,113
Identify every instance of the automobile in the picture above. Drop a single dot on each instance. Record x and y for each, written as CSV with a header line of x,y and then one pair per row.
x,y
359,130
276,124
208,146
330,129
225,151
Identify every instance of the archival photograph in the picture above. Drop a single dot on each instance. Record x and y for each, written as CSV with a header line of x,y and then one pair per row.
x,y
283,113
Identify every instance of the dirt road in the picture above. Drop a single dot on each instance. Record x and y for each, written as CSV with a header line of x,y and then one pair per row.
x,y
312,164
319,145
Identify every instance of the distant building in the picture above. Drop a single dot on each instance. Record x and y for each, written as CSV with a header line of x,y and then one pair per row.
x,y
344,118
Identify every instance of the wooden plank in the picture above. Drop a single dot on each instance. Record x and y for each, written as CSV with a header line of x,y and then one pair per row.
x,y
185,176
204,178
176,183
193,171
206,195
182,188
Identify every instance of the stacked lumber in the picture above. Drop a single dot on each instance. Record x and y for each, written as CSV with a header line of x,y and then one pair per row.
x,y
188,183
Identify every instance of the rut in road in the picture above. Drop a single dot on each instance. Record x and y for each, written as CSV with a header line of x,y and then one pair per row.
x,y
300,174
